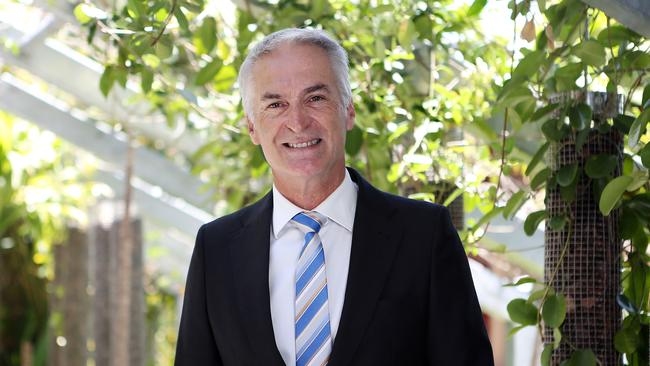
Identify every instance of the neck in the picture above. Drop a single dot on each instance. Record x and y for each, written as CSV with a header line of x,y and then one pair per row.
x,y
308,193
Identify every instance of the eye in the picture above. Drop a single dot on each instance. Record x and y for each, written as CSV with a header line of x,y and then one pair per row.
x,y
316,98
274,105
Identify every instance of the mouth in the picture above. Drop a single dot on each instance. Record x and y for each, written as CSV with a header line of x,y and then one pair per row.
x,y
302,145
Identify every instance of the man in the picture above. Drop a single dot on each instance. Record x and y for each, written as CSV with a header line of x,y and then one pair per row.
x,y
325,269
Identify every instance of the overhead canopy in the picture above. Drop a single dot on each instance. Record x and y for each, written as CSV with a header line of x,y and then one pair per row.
x,y
634,14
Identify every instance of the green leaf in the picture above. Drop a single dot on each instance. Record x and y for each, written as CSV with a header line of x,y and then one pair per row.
x,y
318,8
536,295
533,220
600,166
568,193
120,74
554,310
612,193
569,71
476,7
146,80
529,65
567,174
543,112
591,53
515,330
106,80
557,337
208,72
623,123
423,25
539,155
406,34
151,60
581,139
514,203
555,130
615,34
225,78
208,34
455,194
353,141
80,12
547,353
164,48
580,116
639,178
645,99
136,8
522,312
644,154
488,216
568,74
182,20
521,281
638,128
626,340
540,178
557,222
581,357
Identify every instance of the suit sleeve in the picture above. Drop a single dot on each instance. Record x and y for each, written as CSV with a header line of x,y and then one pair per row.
x,y
196,345
456,332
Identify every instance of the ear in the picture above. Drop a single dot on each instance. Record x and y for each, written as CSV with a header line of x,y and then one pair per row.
x,y
350,115
251,131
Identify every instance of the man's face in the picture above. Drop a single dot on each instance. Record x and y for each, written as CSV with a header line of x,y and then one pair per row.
x,y
297,113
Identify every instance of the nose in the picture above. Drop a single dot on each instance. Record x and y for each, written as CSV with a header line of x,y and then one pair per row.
x,y
297,119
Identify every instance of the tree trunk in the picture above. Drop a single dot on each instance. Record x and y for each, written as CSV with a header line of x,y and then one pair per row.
x,y
101,260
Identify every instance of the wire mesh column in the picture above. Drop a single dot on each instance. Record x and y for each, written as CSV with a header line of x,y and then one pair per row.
x,y
589,273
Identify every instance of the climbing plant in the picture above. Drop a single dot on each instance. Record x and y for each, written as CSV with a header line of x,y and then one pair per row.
x,y
582,50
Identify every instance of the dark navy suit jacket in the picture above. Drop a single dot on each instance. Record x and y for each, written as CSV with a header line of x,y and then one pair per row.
x,y
410,299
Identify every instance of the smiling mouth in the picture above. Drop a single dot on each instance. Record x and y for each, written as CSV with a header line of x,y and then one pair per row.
x,y
302,144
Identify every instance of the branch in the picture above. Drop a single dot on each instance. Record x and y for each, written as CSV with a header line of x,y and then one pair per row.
x,y
165,23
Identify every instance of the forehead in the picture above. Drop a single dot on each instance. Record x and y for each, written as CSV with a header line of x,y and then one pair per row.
x,y
292,66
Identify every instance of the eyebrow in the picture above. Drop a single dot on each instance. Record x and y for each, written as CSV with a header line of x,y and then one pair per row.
x,y
311,89
267,96
317,87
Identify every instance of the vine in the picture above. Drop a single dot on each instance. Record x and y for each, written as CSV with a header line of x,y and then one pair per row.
x,y
546,71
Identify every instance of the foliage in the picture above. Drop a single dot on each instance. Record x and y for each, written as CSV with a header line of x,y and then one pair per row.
x,y
420,73
567,56
38,194
161,322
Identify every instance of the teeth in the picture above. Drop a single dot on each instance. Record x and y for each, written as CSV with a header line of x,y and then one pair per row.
x,y
304,144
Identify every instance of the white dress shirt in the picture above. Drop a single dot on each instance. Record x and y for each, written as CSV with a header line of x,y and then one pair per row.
x,y
286,243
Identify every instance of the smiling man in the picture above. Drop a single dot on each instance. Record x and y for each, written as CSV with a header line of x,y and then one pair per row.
x,y
325,269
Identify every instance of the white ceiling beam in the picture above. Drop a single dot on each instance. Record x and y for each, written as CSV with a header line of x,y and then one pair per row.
x,y
156,205
55,63
40,108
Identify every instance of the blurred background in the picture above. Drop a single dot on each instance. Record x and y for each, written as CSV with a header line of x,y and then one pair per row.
x,y
121,133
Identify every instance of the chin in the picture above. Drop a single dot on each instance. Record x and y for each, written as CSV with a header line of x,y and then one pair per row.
x,y
303,170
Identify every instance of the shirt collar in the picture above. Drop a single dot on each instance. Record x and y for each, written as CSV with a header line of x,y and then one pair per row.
x,y
339,206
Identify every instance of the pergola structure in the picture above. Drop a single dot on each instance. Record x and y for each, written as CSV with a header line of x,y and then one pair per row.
x,y
169,198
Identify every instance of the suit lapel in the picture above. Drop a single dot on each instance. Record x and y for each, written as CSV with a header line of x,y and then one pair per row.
x,y
373,251
250,264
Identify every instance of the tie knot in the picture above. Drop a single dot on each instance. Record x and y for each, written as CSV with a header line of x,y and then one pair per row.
x,y
309,221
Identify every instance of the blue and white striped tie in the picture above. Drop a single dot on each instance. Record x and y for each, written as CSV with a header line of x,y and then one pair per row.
x,y
313,338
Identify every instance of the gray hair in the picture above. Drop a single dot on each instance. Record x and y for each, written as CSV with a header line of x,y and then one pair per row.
x,y
319,38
